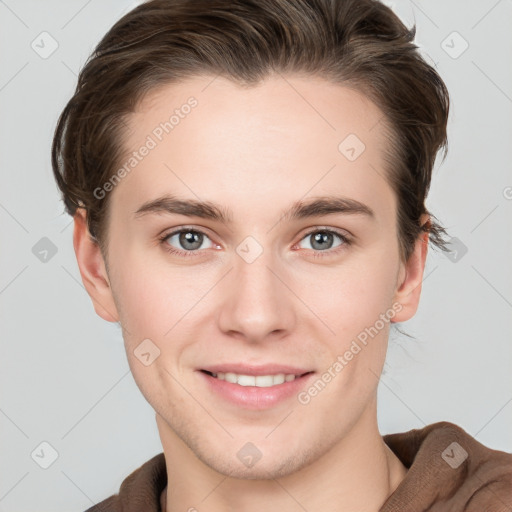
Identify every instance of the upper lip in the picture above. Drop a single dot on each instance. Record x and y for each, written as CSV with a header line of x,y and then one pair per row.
x,y
246,369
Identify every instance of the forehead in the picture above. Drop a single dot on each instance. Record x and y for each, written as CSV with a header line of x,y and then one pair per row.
x,y
286,138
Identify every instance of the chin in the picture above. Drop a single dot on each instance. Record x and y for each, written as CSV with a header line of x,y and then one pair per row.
x,y
266,467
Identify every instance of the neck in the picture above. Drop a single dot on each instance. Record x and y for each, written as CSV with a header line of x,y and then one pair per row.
x,y
357,474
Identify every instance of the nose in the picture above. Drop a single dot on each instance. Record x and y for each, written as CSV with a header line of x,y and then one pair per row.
x,y
256,302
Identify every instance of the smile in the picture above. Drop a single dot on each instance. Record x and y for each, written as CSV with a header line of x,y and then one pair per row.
x,y
260,381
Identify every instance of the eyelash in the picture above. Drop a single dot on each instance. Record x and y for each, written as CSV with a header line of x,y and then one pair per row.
x,y
316,254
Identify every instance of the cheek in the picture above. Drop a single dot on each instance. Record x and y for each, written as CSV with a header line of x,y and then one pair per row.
x,y
153,297
350,297
357,306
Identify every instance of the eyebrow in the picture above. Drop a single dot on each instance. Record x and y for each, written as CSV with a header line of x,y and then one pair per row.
x,y
314,207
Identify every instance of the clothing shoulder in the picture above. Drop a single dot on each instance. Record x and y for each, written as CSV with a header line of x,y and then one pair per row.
x,y
140,490
449,468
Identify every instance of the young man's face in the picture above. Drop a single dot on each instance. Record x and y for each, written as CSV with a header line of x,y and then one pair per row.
x,y
263,288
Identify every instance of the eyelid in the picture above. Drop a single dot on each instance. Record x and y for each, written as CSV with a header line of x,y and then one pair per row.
x,y
338,231
179,229
205,231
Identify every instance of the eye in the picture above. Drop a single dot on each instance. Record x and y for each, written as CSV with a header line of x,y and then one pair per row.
x,y
187,241
322,240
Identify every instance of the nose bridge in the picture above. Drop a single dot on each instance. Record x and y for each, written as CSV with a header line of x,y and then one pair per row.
x,y
257,302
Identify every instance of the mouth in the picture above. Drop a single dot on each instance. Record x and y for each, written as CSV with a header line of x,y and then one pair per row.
x,y
259,381
255,388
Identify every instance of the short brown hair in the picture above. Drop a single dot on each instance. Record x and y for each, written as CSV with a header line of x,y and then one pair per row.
x,y
361,44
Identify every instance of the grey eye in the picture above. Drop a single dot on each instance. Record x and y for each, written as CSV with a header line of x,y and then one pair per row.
x,y
322,240
187,239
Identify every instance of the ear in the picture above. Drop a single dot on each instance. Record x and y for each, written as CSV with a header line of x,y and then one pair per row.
x,y
92,269
410,277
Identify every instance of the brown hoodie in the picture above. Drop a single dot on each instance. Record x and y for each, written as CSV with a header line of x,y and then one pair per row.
x,y
448,471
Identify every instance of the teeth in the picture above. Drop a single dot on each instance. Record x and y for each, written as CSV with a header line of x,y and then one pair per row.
x,y
260,381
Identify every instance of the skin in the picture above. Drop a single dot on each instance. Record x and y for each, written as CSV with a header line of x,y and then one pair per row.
x,y
256,151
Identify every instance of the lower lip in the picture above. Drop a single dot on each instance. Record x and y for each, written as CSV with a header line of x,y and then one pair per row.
x,y
253,397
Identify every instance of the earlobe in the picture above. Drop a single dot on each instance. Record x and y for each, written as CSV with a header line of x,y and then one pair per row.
x,y
411,277
92,269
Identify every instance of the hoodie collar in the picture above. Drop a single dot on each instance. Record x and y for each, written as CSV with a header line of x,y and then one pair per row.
x,y
448,471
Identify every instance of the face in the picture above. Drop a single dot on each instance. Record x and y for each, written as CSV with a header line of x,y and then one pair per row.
x,y
259,276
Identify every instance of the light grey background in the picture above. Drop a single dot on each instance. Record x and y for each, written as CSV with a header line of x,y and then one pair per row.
x,y
64,377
